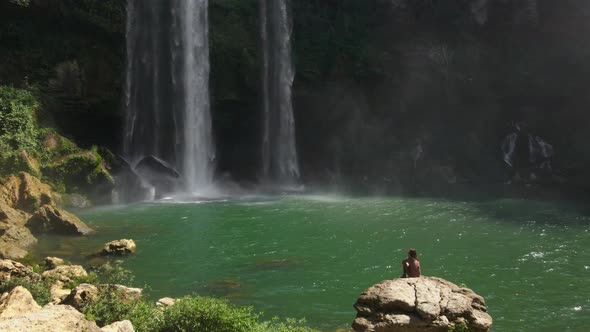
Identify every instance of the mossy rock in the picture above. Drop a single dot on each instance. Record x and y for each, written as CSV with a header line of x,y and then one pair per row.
x,y
54,145
19,161
82,173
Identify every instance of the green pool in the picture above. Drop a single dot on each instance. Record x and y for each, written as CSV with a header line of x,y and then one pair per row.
x,y
311,256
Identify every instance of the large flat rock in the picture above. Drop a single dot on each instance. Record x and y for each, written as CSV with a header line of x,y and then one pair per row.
x,y
423,304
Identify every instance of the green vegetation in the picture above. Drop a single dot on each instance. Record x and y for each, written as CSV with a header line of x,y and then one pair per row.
x,y
191,313
462,327
39,289
42,152
18,124
79,171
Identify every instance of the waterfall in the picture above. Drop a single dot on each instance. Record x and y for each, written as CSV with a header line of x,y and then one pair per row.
x,y
279,152
167,88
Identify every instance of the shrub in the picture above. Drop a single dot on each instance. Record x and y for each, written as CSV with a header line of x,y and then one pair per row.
x,y
207,314
39,290
289,325
110,307
191,313
92,278
195,313
18,126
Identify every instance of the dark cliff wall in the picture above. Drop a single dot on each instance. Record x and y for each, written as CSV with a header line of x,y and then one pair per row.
x,y
375,80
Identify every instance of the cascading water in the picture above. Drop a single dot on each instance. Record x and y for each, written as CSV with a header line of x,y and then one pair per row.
x,y
167,90
279,153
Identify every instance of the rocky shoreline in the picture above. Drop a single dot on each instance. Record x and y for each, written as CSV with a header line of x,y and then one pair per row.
x,y
28,207
20,312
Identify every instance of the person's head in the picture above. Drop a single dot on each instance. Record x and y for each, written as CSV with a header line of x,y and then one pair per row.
x,y
412,253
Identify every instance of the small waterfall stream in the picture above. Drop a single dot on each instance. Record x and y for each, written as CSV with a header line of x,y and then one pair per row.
x,y
279,153
167,88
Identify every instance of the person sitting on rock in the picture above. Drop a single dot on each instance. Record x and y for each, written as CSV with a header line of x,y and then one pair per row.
x,y
411,265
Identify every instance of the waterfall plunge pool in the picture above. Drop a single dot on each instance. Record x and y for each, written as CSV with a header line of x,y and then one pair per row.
x,y
311,256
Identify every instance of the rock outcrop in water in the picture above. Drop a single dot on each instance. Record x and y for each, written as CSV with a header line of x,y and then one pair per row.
x,y
420,304
52,219
118,248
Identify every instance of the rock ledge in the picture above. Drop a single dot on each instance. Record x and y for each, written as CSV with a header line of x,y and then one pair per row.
x,y
425,304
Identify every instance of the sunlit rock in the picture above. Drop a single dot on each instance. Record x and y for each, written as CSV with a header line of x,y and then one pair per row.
x,y
10,269
165,302
122,326
420,304
52,219
53,262
119,248
80,296
65,273
16,302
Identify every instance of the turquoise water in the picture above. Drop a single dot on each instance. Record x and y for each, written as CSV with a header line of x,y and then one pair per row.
x,y
311,256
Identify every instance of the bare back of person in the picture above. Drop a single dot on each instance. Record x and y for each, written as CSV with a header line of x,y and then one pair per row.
x,y
411,267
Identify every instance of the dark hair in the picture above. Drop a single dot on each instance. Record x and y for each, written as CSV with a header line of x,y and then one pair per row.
x,y
412,252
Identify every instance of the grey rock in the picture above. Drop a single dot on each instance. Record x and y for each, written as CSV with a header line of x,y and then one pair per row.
x,y
423,304
119,248
165,302
53,262
80,296
122,326
63,318
10,269
16,302
65,273
52,219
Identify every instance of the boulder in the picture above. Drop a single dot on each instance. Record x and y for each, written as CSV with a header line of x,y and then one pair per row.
x,y
82,172
10,269
420,304
10,191
52,219
61,318
32,193
118,248
65,273
25,192
130,186
123,326
15,237
53,262
80,296
17,302
58,292
159,174
165,302
128,293
78,201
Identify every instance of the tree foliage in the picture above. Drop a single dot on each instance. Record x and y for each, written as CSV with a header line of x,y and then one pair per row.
x,y
18,124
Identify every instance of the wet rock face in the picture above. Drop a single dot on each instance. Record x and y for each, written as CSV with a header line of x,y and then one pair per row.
x,y
420,304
